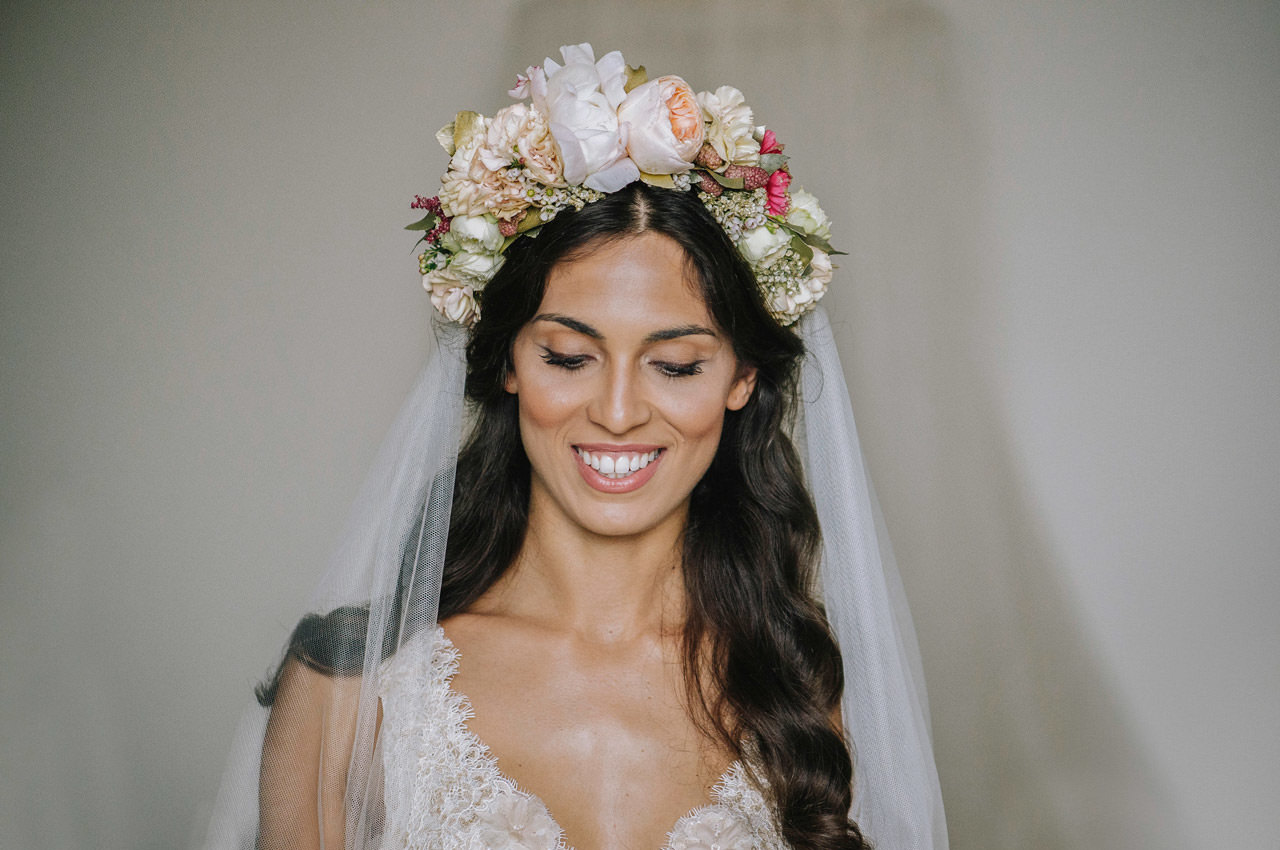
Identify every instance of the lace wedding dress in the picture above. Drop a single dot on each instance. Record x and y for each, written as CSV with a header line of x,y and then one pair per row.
x,y
444,790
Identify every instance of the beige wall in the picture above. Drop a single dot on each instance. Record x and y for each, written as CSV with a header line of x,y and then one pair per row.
x,y
1060,317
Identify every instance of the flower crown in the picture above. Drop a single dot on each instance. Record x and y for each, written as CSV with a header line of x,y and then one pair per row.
x,y
593,128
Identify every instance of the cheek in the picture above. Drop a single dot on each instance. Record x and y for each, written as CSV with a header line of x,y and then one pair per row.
x,y
697,415
545,406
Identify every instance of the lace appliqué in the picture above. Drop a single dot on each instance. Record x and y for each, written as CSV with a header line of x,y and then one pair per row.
x,y
444,790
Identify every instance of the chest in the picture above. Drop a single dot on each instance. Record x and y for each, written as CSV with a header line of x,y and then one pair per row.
x,y
593,734
446,789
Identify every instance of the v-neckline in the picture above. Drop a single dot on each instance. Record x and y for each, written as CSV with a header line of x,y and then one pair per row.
x,y
485,754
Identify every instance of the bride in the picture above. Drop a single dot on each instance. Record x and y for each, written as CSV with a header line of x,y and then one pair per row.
x,y
600,622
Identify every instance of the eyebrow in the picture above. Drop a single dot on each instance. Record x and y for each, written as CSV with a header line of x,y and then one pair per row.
x,y
676,333
657,336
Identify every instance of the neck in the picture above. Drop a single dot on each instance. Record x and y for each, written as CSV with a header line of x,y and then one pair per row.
x,y
603,588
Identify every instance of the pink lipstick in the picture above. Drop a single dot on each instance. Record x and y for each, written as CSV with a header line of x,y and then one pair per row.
x,y
617,468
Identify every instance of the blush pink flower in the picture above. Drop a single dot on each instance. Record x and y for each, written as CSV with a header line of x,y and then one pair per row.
x,y
776,187
579,100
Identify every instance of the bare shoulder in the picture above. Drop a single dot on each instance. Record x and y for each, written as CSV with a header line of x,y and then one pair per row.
x,y
494,640
305,755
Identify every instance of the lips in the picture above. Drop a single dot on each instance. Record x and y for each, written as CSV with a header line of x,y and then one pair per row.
x,y
617,469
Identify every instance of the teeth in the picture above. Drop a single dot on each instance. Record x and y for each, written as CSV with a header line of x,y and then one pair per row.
x,y
617,465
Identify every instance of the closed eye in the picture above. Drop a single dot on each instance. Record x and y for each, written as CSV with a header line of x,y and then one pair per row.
x,y
564,361
679,370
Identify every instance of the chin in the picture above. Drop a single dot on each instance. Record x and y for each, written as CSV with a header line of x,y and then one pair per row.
x,y
617,520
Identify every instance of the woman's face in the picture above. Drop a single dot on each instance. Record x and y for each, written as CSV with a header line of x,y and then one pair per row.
x,y
623,381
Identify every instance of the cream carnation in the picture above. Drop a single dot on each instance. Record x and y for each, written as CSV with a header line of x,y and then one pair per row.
x,y
459,194
805,214
472,188
664,125
729,128
580,100
520,136
764,245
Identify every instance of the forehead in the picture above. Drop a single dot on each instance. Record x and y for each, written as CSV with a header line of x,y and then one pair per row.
x,y
643,280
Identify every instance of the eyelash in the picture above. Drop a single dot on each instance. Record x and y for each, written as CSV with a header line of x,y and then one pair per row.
x,y
564,361
573,362
679,370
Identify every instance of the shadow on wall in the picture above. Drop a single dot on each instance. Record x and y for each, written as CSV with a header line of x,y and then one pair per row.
x,y
1034,749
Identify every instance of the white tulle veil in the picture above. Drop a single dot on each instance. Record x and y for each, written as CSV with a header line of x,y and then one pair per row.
x,y
383,586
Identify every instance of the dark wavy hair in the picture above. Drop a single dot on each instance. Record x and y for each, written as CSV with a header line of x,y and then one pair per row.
x,y
761,666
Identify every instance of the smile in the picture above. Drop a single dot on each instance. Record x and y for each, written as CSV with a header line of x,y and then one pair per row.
x,y
617,464
618,469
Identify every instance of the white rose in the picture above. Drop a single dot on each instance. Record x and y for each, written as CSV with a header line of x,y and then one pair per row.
x,y
472,233
764,245
664,125
580,100
820,269
729,128
451,297
805,214
458,305
475,268
782,304
440,280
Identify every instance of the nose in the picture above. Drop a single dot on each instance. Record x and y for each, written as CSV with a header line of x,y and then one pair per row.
x,y
618,404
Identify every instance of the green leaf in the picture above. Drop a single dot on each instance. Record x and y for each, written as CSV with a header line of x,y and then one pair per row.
x,y
771,162
428,221
445,137
808,238
531,221
806,253
466,125
727,182
818,242
635,77
662,181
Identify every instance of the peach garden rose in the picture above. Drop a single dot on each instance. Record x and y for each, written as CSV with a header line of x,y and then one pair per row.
x,y
664,123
